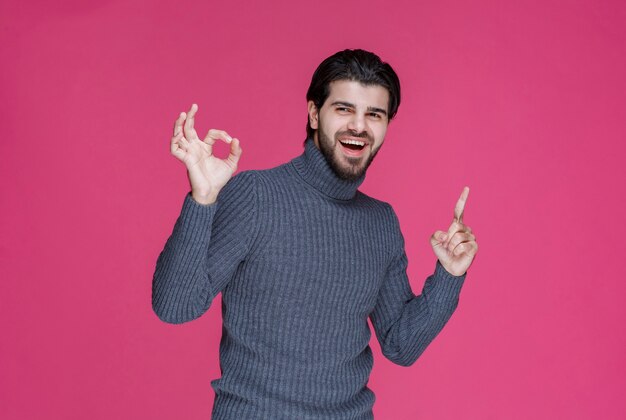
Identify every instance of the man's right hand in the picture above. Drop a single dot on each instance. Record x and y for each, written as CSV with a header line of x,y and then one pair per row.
x,y
207,173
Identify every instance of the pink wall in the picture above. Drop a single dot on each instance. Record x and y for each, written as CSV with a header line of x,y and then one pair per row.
x,y
523,103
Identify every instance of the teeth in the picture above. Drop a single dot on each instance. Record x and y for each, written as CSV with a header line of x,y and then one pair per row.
x,y
355,142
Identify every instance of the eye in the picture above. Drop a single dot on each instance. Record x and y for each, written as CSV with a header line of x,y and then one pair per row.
x,y
375,115
343,109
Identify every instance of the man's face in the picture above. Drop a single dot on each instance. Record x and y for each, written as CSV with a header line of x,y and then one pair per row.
x,y
350,126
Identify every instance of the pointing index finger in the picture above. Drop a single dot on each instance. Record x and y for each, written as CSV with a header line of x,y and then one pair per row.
x,y
460,205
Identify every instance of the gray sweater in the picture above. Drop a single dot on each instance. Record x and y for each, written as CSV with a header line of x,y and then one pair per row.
x,y
302,259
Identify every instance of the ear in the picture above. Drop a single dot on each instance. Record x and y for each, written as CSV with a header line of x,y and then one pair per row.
x,y
313,115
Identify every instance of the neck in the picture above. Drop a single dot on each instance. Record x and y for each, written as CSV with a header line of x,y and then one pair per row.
x,y
315,171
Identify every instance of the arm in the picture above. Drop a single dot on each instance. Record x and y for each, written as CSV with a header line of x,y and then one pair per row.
x,y
204,250
406,324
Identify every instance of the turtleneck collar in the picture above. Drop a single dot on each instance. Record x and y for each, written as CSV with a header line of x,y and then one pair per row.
x,y
315,171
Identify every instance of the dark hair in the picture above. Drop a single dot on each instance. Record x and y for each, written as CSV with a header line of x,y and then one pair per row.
x,y
357,65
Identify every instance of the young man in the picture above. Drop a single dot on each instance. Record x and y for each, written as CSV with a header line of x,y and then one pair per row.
x,y
302,258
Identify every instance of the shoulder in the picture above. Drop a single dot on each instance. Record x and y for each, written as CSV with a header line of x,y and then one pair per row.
x,y
253,182
241,187
386,222
251,178
383,209
265,181
244,177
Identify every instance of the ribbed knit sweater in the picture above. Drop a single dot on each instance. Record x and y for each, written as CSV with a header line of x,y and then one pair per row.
x,y
302,259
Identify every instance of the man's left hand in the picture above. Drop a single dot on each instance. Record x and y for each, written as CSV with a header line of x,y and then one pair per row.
x,y
456,248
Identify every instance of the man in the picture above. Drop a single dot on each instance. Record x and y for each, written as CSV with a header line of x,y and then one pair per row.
x,y
302,258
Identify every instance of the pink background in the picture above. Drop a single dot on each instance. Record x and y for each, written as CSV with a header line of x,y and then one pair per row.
x,y
524,103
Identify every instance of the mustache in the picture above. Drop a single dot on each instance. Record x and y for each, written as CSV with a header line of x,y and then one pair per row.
x,y
352,133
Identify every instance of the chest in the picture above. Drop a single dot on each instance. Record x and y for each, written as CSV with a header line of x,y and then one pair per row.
x,y
334,251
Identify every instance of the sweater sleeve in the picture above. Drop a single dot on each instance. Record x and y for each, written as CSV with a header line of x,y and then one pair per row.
x,y
206,246
406,324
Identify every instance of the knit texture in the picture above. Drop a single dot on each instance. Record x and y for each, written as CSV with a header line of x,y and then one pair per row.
x,y
302,259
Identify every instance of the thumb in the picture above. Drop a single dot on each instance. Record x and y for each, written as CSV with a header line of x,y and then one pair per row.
x,y
235,152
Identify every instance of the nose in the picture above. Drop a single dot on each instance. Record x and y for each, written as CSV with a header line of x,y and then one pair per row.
x,y
357,123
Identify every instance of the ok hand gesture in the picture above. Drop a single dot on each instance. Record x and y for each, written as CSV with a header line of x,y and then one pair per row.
x,y
207,173
456,248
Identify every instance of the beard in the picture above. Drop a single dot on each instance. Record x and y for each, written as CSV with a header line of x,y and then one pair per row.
x,y
354,168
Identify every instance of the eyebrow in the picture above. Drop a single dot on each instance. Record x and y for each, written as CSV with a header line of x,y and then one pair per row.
x,y
369,108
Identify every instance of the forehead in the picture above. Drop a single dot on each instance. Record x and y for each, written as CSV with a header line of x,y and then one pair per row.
x,y
358,94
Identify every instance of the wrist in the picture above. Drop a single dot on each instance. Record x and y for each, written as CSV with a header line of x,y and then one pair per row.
x,y
450,271
203,198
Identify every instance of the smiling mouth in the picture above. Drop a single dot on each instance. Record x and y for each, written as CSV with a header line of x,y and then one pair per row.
x,y
353,144
353,148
